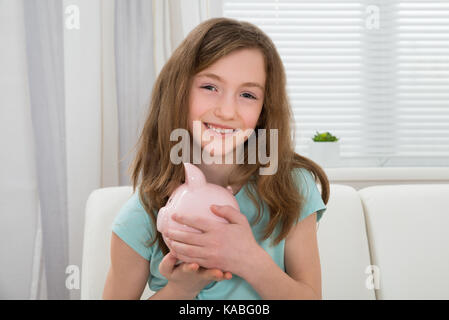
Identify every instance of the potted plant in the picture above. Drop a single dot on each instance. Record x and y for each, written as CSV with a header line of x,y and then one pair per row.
x,y
325,149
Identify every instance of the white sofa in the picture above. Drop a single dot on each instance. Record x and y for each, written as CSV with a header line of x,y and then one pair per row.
x,y
380,242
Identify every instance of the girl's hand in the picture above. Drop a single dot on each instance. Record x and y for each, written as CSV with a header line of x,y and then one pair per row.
x,y
230,247
189,277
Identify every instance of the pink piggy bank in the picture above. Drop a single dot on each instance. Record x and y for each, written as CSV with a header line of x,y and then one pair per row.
x,y
194,197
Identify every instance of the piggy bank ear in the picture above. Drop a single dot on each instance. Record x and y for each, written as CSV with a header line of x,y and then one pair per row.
x,y
194,176
230,190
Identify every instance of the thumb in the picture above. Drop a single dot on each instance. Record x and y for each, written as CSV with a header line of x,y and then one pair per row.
x,y
167,264
229,213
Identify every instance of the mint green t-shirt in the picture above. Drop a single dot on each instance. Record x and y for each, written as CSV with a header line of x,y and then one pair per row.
x,y
134,227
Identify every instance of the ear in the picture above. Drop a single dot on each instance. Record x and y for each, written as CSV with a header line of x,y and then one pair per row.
x,y
194,177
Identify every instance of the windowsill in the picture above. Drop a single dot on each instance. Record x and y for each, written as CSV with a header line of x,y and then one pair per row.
x,y
388,173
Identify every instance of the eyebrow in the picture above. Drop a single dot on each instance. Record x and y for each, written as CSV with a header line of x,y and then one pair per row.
x,y
246,84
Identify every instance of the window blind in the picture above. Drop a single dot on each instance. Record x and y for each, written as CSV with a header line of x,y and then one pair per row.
x,y
373,73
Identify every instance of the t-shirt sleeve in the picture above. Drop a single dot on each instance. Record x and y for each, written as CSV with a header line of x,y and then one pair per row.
x,y
312,196
132,224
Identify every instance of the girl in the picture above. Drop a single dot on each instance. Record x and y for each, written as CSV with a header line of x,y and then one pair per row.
x,y
225,74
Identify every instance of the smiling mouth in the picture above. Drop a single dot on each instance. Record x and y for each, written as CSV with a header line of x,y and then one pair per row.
x,y
220,131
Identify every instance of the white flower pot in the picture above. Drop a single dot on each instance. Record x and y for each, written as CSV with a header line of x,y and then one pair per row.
x,y
326,154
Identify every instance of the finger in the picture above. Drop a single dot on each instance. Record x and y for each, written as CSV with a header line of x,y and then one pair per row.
x,y
222,275
188,259
201,223
185,237
214,274
190,267
229,213
194,266
167,264
187,249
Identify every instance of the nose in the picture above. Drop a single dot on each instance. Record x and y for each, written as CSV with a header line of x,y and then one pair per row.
x,y
226,108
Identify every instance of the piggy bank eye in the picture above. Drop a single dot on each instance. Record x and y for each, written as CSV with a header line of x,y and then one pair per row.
x,y
169,200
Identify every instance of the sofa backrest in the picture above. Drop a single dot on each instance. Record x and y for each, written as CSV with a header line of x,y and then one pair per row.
x,y
101,208
408,232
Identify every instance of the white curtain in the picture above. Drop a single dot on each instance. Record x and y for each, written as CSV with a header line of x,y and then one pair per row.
x,y
19,206
76,81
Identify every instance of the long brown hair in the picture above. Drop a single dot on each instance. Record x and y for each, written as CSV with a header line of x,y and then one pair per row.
x,y
204,45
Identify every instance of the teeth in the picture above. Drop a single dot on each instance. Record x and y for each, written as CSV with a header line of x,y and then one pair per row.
x,y
220,130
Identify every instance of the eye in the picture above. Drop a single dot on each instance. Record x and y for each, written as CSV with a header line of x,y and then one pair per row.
x,y
250,96
208,86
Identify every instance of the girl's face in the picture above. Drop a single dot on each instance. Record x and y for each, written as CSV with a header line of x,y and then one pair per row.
x,y
228,94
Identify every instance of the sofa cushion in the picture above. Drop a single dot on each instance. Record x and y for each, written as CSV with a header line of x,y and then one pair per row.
x,y
343,247
407,227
